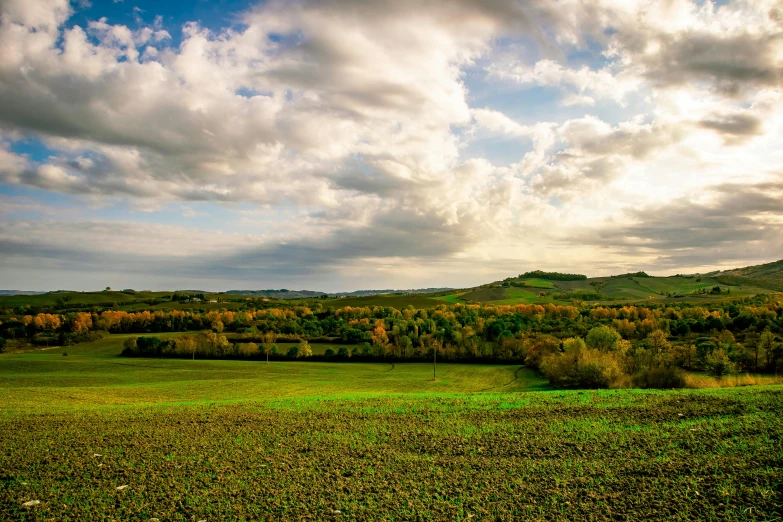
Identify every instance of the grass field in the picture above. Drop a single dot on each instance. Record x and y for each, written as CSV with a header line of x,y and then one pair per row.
x,y
233,440
522,296
538,283
392,300
451,298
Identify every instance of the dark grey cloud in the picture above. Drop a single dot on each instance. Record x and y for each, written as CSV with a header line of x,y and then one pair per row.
x,y
735,128
729,62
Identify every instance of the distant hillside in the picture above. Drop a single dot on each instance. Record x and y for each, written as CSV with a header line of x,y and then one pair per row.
x,y
283,293
541,287
19,292
299,294
768,275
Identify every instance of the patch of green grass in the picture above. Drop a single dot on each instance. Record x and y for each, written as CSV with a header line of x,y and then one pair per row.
x,y
538,283
238,440
484,294
391,300
451,298
690,455
94,375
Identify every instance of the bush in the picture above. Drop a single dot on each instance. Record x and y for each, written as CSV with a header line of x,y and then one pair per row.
x,y
581,367
2,345
129,346
718,364
329,352
659,377
540,349
150,346
304,349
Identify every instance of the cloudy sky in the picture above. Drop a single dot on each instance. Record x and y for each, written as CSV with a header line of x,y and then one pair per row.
x,y
346,144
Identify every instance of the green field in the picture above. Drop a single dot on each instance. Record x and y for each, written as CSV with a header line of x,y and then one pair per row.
x,y
392,300
236,440
451,298
522,296
538,283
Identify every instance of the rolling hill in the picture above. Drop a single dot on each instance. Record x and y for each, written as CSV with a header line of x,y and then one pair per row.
x,y
529,288
768,275
548,287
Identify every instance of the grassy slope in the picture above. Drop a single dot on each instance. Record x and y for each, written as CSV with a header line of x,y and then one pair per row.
x,y
395,301
229,440
93,375
768,275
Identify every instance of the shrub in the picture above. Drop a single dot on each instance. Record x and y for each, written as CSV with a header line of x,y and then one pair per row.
x,y
659,377
718,364
129,346
582,367
149,346
304,349
342,353
329,352
541,348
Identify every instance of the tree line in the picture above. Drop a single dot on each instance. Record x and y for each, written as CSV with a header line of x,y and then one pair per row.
x,y
746,332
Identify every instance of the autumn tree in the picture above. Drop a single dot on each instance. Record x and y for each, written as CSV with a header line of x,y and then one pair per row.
x,y
658,342
269,340
211,338
304,349
187,344
379,337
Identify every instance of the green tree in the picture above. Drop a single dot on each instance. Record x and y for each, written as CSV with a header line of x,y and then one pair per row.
x,y
766,346
718,364
270,338
603,338
129,345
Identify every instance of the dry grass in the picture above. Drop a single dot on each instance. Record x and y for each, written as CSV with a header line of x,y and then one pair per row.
x,y
700,380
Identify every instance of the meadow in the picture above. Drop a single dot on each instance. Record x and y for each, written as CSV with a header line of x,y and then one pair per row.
x,y
240,440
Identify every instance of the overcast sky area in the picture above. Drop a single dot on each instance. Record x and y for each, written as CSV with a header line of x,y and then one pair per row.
x,y
346,144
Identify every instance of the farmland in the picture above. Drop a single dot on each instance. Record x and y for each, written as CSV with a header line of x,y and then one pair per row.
x,y
235,440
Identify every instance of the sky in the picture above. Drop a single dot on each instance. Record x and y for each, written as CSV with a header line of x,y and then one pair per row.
x,y
337,145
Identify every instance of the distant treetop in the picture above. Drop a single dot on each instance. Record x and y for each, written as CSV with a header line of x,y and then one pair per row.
x,y
553,276
633,274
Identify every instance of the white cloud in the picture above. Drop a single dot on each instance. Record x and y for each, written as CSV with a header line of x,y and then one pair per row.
x,y
358,115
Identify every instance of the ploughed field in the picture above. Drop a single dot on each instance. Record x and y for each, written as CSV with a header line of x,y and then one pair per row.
x,y
235,440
